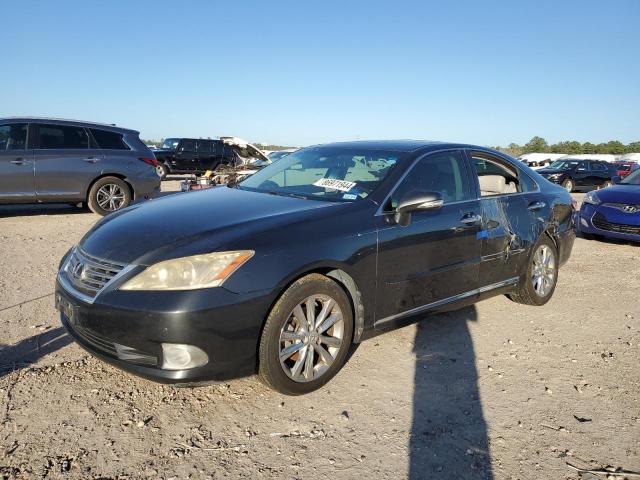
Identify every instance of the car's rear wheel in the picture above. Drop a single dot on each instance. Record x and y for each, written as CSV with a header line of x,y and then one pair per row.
x,y
162,171
306,337
541,276
108,195
568,185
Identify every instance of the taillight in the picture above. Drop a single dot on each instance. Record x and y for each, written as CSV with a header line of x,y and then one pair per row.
x,y
151,161
574,204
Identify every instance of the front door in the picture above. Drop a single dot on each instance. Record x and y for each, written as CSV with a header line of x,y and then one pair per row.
x,y
186,157
433,260
65,162
16,164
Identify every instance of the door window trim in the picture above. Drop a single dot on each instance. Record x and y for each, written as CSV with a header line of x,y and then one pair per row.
x,y
380,212
469,151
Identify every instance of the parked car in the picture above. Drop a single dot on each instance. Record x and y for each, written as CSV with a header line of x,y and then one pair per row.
x,y
625,168
613,212
579,174
196,156
330,245
62,161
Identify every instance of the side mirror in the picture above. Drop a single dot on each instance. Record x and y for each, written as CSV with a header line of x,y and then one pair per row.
x,y
416,201
616,178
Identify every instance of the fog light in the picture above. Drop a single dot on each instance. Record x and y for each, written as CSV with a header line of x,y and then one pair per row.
x,y
176,356
583,222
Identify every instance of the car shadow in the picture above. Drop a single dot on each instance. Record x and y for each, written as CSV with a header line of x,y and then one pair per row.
x,y
30,210
449,434
30,350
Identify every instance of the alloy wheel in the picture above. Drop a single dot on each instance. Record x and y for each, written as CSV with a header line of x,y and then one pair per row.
x,y
568,185
311,338
543,270
110,197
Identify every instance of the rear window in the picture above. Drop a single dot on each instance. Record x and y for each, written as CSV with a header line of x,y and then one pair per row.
x,y
108,140
62,136
13,136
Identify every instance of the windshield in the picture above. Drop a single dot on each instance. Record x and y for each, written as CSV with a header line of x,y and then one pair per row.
x,y
324,173
564,164
170,143
632,178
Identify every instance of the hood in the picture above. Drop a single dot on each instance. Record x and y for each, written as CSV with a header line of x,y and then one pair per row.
x,y
249,153
185,224
620,194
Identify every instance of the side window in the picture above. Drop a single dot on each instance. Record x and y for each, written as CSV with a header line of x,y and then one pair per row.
x,y
205,146
187,145
108,140
527,184
582,166
598,167
442,172
62,136
13,136
498,177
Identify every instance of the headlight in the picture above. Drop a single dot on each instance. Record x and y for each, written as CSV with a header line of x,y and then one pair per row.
x,y
189,273
555,176
592,198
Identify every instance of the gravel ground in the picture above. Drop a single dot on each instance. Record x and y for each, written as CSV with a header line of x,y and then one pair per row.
x,y
498,390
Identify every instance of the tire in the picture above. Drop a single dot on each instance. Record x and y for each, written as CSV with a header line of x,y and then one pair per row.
x,y
568,185
291,375
104,191
526,292
162,170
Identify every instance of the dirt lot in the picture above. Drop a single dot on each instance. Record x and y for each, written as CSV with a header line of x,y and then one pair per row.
x,y
499,390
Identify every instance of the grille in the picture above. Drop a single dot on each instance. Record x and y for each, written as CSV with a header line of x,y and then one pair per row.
x,y
89,274
625,207
113,349
599,221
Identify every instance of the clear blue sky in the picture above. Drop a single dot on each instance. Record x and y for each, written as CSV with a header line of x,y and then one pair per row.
x,y
486,72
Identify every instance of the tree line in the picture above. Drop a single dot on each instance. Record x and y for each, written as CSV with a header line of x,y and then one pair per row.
x,y
540,145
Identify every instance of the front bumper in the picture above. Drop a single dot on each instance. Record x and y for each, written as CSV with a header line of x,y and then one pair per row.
x,y
614,225
127,329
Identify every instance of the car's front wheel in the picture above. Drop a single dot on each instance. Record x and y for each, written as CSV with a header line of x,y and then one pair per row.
x,y
568,185
306,337
541,276
108,195
162,170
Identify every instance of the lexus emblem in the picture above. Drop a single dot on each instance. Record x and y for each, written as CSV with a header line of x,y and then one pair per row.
x,y
78,270
630,208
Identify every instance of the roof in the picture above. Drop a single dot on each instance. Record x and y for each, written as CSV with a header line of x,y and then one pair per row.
x,y
393,145
63,121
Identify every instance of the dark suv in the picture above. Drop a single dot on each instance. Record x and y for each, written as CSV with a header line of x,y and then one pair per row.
x,y
575,174
64,161
191,155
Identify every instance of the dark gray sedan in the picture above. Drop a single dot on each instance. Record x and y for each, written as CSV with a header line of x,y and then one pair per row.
x,y
55,161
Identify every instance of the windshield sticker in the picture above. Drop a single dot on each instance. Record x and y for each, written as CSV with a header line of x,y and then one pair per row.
x,y
334,184
349,196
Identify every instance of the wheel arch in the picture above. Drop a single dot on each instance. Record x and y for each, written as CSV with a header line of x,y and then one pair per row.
x,y
344,281
103,175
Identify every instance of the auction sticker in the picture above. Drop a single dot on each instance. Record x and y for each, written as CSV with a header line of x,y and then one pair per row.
x,y
334,184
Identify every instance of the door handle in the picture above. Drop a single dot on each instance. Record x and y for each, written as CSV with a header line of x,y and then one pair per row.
x,y
536,206
18,161
471,218
92,160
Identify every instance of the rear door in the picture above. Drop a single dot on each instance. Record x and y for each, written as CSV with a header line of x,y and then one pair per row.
x,y
582,175
16,164
66,162
600,173
206,155
506,218
434,260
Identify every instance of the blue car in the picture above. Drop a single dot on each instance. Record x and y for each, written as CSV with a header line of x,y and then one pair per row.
x,y
613,212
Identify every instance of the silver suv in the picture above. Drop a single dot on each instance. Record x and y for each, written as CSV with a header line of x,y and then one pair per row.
x,y
63,161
